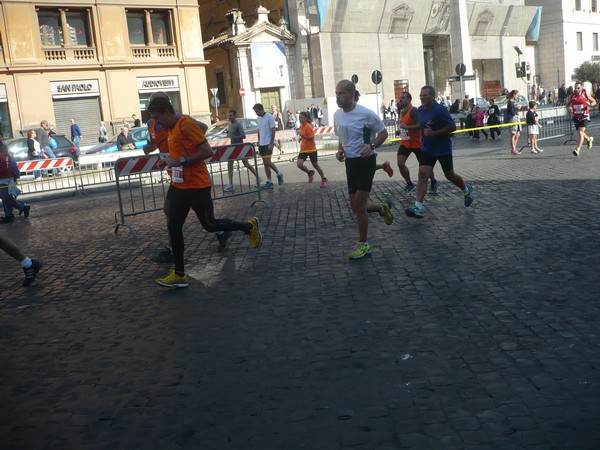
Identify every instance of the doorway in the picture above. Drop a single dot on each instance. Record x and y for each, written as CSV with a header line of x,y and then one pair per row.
x,y
269,97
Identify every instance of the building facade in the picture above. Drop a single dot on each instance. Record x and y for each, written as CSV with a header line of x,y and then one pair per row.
x,y
96,60
411,42
568,37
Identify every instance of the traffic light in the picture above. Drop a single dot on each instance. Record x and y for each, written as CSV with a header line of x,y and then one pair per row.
x,y
519,70
528,71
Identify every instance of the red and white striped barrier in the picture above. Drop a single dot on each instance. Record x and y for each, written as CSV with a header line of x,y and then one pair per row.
x,y
44,164
323,130
232,152
137,164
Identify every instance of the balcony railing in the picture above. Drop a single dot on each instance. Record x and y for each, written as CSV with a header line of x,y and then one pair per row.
x,y
87,54
154,52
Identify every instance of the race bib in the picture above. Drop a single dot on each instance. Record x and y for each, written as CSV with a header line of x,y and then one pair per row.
x,y
404,134
177,174
578,109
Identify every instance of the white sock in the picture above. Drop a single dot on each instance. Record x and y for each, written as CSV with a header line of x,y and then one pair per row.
x,y
419,205
26,262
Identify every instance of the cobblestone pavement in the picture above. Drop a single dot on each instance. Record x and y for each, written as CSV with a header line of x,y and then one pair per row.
x,y
472,328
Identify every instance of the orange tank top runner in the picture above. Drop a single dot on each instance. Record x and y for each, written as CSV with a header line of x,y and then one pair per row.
x,y
410,138
183,138
307,145
579,103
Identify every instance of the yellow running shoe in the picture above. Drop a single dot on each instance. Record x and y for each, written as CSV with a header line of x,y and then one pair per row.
x,y
361,249
254,235
173,280
590,142
387,212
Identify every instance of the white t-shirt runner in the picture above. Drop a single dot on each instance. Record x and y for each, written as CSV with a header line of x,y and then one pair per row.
x,y
356,128
265,124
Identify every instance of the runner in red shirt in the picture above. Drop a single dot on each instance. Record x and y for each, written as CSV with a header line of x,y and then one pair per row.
x,y
579,104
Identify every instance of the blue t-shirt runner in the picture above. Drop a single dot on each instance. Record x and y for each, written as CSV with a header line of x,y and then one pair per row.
x,y
436,125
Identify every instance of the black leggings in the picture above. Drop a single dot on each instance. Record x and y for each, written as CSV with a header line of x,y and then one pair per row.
x,y
200,200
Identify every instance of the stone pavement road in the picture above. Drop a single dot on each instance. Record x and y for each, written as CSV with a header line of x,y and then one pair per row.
x,y
473,328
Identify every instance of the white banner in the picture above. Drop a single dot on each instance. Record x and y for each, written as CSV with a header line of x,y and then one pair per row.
x,y
269,66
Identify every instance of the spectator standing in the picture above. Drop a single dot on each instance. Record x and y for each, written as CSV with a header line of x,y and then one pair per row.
x,y
466,104
102,133
455,107
34,151
494,119
320,116
43,137
384,110
597,95
278,118
291,120
512,110
562,95
533,127
393,109
313,113
479,116
76,136
136,121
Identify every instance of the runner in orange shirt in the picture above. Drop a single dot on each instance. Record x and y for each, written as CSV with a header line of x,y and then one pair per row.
x,y
308,149
157,140
190,186
408,119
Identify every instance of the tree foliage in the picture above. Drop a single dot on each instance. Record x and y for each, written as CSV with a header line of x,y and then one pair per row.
x,y
588,71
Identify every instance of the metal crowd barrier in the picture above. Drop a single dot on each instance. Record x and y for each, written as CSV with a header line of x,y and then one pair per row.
x,y
142,185
243,182
55,174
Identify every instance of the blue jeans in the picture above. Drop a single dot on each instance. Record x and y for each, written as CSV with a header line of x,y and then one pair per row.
x,y
8,201
76,142
50,153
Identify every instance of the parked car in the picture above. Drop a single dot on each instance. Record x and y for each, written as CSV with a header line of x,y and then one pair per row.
x,y
521,101
18,147
482,103
218,130
138,135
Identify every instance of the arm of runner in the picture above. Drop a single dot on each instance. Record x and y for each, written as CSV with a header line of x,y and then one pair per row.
x,y
379,139
441,131
340,155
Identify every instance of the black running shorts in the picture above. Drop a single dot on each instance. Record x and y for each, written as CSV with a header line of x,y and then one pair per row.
x,y
360,173
425,159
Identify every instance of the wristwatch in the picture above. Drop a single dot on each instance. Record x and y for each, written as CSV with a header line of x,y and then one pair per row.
x,y
372,146
182,160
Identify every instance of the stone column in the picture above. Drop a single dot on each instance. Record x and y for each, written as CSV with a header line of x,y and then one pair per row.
x,y
461,48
